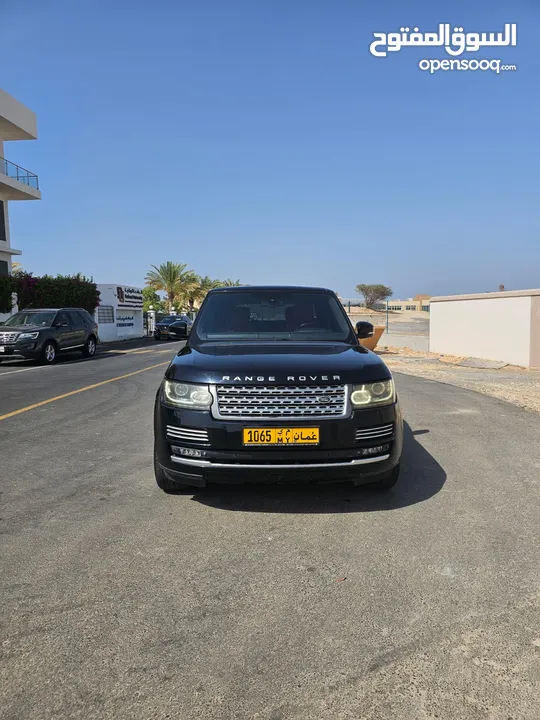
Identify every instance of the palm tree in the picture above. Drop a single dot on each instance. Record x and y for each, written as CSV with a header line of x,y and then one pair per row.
x,y
230,283
201,289
174,279
16,267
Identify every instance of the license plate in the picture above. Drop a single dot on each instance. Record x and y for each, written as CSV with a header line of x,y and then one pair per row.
x,y
281,436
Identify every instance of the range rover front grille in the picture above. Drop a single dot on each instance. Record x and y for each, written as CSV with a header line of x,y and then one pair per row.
x,y
194,435
281,401
374,433
8,337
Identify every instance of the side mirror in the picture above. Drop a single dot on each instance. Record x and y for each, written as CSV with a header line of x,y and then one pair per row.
x,y
178,329
364,329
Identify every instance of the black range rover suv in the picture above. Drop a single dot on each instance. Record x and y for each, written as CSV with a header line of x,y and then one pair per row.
x,y
273,384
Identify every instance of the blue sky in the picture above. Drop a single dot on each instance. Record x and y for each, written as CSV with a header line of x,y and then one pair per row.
x,y
260,140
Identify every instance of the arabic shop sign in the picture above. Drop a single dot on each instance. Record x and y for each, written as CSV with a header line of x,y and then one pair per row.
x,y
129,297
125,320
455,42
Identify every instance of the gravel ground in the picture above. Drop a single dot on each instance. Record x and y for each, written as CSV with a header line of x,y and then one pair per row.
x,y
519,386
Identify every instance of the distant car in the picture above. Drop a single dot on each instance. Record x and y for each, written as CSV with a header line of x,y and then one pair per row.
x,y
43,333
163,327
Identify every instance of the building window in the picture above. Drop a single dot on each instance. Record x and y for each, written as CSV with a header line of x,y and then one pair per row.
x,y
3,233
425,308
3,268
105,314
410,307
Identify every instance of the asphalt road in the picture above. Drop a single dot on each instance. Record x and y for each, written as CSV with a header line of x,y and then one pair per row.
x,y
118,601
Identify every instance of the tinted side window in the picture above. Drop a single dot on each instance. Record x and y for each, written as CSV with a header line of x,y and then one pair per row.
x,y
62,318
76,320
87,320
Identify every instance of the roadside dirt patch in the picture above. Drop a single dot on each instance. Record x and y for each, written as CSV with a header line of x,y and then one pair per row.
x,y
520,386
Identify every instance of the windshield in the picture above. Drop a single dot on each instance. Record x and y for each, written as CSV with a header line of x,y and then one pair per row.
x,y
28,317
169,319
280,315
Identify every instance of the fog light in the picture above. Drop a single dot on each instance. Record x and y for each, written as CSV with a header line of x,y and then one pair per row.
x,y
187,452
377,450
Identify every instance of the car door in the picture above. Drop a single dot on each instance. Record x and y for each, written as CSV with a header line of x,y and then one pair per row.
x,y
78,337
64,330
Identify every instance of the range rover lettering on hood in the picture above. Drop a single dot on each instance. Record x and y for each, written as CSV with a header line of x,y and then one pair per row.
x,y
271,378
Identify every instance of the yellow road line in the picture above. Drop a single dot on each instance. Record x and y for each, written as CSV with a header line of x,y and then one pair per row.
x,y
120,352
135,352
80,390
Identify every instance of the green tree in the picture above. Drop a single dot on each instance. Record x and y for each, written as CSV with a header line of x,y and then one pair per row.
x,y
175,280
229,283
200,290
373,293
151,298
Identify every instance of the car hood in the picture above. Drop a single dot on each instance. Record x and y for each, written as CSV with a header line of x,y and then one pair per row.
x,y
277,363
22,328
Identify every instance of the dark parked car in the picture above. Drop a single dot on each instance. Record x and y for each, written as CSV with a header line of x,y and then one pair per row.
x,y
274,384
163,327
42,334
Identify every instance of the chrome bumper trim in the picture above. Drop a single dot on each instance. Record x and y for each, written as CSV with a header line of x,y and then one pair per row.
x,y
296,466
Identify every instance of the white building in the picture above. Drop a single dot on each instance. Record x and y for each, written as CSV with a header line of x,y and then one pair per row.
x,y
17,122
119,314
502,326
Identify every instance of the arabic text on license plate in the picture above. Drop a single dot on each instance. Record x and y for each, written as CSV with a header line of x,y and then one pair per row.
x,y
281,436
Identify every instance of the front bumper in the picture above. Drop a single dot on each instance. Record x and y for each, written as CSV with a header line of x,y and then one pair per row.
x,y
195,449
20,350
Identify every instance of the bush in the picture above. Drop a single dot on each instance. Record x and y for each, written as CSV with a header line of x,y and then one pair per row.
x,y
54,292
7,288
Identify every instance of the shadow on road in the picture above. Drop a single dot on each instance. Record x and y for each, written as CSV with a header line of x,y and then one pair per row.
x,y
106,350
421,478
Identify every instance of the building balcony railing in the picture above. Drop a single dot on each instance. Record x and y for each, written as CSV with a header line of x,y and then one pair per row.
x,y
19,173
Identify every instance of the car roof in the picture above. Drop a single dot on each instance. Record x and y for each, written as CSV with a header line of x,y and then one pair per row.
x,y
269,288
62,309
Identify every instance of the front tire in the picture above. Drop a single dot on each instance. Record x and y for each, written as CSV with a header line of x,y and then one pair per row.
x,y
163,482
49,353
388,482
89,349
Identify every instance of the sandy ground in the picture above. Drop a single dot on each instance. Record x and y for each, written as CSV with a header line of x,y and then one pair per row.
x,y
519,386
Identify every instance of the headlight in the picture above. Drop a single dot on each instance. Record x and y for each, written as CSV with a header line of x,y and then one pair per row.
x,y
196,397
29,336
379,393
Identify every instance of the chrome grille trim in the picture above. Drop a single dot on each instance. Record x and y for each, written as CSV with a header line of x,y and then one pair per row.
x,y
280,402
196,435
373,433
8,337
288,466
